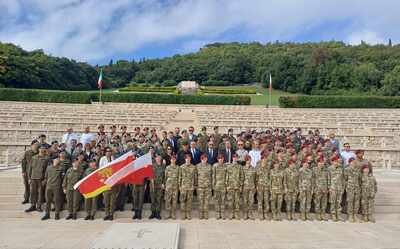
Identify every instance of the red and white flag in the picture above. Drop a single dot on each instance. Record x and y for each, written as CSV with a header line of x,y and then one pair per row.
x,y
134,173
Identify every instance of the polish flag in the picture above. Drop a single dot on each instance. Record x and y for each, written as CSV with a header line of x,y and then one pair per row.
x,y
134,173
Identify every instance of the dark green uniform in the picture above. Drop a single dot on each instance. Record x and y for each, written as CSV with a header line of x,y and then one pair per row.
x,y
53,179
36,174
73,196
26,165
137,201
90,203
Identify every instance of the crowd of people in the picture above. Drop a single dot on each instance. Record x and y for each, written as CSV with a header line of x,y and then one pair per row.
x,y
271,171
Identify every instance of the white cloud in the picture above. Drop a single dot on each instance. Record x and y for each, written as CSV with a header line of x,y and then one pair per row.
x,y
93,30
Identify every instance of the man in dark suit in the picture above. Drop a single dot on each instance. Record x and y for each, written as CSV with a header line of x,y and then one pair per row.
x,y
192,136
195,152
211,153
228,152
172,142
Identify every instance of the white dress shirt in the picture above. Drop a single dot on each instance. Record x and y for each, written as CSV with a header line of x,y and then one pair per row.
x,y
67,137
255,157
86,138
104,161
346,155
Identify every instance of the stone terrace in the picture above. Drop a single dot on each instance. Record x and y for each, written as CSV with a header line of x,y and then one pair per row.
x,y
375,130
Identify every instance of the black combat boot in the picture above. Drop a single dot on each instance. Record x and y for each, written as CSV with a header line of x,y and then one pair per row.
x,y
106,217
74,216
135,216
139,214
111,217
31,209
158,215
153,215
57,216
25,201
68,217
87,217
46,216
92,217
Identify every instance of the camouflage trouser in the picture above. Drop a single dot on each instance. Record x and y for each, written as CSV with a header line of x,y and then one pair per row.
x,y
138,197
335,199
186,199
276,201
248,200
353,201
156,194
204,195
219,200
368,205
54,196
263,200
290,199
171,199
110,197
305,200
36,192
320,201
233,200
73,201
91,206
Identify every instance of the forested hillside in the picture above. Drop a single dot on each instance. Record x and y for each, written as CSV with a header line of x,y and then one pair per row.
x,y
310,68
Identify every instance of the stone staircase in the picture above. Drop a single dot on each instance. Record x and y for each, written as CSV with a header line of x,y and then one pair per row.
x,y
387,203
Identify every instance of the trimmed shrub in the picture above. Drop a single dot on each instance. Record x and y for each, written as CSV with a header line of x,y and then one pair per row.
x,y
241,90
27,95
339,102
147,89
169,83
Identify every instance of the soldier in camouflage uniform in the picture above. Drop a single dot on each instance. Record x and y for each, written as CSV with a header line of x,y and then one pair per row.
x,y
352,177
219,186
90,203
291,188
204,177
369,188
234,180
336,187
306,190
263,187
320,189
157,187
249,187
36,175
187,184
26,165
72,176
171,187
277,188
53,179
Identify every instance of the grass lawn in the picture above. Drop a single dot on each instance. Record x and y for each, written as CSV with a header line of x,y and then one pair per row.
x,y
263,99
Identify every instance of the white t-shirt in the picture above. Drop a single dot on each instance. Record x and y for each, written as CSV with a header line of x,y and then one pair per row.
x,y
346,155
255,157
104,161
86,138
67,137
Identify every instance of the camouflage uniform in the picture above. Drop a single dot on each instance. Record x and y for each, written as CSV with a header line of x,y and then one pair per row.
x,y
336,187
204,177
291,187
187,183
368,190
277,189
90,203
219,187
171,189
156,188
73,196
234,180
306,188
249,187
320,191
263,189
352,176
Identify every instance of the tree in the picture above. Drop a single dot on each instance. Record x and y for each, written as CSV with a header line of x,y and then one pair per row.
x,y
391,83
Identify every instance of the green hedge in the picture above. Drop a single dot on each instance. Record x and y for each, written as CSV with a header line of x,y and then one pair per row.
x,y
8,94
147,89
339,102
241,90
31,95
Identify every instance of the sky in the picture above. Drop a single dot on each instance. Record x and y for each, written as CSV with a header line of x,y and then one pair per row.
x,y
96,31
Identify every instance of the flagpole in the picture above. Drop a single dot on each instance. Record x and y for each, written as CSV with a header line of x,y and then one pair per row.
x,y
101,90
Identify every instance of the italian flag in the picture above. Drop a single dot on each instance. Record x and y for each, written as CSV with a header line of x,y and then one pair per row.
x,y
100,81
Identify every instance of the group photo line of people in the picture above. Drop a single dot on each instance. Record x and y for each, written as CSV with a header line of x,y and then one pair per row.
x,y
253,174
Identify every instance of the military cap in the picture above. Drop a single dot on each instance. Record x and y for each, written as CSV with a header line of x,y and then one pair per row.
x,y
359,151
365,166
185,142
